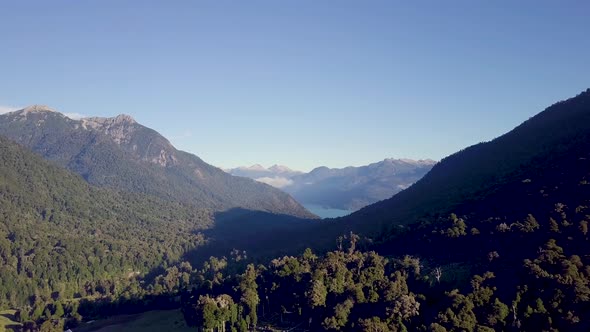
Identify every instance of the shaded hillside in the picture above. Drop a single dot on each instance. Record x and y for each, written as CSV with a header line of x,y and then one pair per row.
x,y
119,153
495,238
472,175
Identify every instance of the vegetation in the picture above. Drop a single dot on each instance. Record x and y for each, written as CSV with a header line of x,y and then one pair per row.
x,y
61,238
504,251
7,322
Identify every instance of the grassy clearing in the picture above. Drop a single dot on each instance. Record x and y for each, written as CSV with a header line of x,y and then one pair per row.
x,y
151,321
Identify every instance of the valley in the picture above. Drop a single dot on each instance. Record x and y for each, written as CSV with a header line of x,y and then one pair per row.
x,y
302,166
379,268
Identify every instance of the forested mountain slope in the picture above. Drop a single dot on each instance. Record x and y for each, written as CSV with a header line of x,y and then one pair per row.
x,y
58,233
122,154
555,139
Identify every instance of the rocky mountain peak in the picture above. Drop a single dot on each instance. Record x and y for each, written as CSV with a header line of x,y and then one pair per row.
x,y
37,109
280,169
121,119
124,118
119,128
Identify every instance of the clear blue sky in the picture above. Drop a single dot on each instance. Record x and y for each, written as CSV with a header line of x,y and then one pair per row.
x,y
301,83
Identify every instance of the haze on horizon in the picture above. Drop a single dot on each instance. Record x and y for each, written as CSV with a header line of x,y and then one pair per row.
x,y
301,84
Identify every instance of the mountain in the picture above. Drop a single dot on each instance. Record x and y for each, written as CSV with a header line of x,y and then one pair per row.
x,y
349,188
122,154
511,175
277,176
352,188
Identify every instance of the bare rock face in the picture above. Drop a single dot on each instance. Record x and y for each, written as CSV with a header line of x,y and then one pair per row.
x,y
36,109
125,132
120,128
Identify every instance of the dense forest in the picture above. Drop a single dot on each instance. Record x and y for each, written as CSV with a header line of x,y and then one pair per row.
x,y
354,289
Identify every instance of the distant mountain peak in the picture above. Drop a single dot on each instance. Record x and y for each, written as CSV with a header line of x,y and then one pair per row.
x,y
117,120
255,167
119,128
279,168
37,109
410,161
414,161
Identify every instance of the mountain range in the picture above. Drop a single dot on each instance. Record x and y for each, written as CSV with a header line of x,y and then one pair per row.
x,y
97,213
121,154
349,188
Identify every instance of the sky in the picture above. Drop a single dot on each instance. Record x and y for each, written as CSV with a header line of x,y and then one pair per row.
x,y
302,83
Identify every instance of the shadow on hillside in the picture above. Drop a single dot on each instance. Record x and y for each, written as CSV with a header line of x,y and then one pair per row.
x,y
10,317
260,234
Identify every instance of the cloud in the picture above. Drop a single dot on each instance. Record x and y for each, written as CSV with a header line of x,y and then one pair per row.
x,y
8,109
277,181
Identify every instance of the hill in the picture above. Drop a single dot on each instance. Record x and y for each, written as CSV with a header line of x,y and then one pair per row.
x,y
121,154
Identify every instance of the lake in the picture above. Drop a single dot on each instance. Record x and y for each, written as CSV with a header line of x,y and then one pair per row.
x,y
323,212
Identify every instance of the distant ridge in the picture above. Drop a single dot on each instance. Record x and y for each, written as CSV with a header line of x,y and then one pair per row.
x,y
348,188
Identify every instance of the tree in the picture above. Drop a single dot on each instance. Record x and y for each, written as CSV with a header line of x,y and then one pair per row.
x,y
458,228
584,227
249,297
405,307
374,324
529,225
52,325
317,293
340,317
437,272
59,310
353,241
38,309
